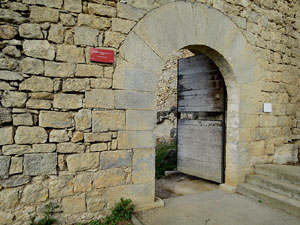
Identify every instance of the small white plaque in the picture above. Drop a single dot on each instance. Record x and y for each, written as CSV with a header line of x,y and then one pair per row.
x,y
267,107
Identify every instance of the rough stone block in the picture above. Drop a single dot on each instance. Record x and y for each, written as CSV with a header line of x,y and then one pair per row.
x,y
86,36
120,25
36,84
39,49
56,33
130,77
142,52
12,17
136,139
99,23
9,198
115,159
53,69
77,136
113,39
135,100
98,147
60,188
99,98
43,148
140,194
97,137
43,14
108,120
83,119
40,164
4,167
30,30
10,76
11,51
101,10
7,32
16,165
6,218
38,104
143,166
5,115
6,135
95,203
89,71
42,95
73,205
67,19
83,183
140,120
129,12
75,85
22,119
58,136
70,148
55,119
6,87
50,3
101,83
16,149
32,66
67,101
30,135
70,53
285,154
15,181
109,178
83,161
73,5
34,193
14,99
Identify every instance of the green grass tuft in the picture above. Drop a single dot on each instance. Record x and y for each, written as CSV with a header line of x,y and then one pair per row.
x,y
161,167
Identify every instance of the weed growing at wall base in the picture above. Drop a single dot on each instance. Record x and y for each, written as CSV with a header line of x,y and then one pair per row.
x,y
121,214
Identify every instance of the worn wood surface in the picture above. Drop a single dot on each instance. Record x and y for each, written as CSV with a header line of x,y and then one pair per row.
x,y
200,148
200,85
200,141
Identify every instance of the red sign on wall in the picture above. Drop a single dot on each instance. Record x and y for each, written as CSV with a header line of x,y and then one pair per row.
x,y
101,55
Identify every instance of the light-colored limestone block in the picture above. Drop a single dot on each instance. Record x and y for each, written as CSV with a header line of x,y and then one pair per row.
x,y
40,164
136,139
83,161
39,49
143,166
108,120
115,159
55,119
30,135
99,98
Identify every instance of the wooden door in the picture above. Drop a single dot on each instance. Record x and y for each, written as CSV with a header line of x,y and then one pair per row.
x,y
201,114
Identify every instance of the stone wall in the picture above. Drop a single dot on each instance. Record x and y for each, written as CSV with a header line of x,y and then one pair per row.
x,y
80,134
165,130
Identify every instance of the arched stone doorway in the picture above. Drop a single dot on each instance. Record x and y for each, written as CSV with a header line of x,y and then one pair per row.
x,y
174,26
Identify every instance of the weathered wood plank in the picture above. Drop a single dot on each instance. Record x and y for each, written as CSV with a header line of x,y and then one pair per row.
x,y
200,142
204,170
199,63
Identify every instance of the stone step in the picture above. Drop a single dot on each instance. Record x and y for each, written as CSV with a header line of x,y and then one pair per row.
x,y
275,185
287,173
274,200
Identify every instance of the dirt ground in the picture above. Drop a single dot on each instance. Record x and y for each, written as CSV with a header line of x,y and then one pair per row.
x,y
179,184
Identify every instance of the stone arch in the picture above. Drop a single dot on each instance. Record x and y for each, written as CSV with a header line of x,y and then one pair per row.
x,y
174,26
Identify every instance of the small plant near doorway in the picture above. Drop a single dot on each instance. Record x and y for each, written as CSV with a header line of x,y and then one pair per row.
x,y
121,214
47,212
165,159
